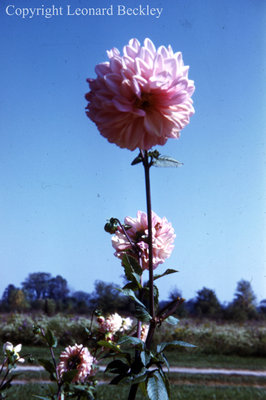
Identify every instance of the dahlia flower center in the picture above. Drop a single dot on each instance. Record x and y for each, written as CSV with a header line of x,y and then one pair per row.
x,y
73,362
145,102
158,226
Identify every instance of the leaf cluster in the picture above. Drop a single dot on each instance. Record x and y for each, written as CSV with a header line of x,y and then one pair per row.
x,y
146,369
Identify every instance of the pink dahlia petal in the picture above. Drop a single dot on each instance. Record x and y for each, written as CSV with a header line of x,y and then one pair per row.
x,y
77,358
137,93
162,236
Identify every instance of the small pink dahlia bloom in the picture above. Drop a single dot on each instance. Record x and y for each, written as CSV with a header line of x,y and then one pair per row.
x,y
162,238
142,97
79,358
111,324
114,323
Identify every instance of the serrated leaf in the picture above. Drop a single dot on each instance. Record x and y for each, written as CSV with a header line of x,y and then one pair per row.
x,y
172,320
166,161
167,272
174,344
156,387
142,314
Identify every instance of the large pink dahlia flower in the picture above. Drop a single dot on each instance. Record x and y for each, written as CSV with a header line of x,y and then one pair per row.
x,y
77,358
162,238
141,98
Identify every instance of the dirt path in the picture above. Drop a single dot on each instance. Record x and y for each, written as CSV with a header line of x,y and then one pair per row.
x,y
186,370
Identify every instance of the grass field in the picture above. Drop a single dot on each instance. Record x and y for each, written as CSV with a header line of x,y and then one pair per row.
x,y
179,392
228,346
183,386
188,358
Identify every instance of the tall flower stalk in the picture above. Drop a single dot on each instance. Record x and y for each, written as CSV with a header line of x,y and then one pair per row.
x,y
140,99
147,164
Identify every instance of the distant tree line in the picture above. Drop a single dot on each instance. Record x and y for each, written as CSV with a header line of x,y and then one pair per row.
x,y
41,292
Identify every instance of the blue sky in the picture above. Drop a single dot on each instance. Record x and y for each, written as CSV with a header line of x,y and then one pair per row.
x,y
60,180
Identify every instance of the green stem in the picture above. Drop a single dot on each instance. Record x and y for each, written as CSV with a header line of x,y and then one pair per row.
x,y
147,166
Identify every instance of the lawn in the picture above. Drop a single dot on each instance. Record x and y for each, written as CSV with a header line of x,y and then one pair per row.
x,y
184,392
183,386
187,358
228,346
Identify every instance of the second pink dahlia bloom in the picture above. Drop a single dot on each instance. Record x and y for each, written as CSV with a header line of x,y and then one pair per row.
x,y
77,358
162,238
142,97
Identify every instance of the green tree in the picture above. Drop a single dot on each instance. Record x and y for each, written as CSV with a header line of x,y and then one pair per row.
x,y
57,288
107,298
243,306
14,299
206,304
37,285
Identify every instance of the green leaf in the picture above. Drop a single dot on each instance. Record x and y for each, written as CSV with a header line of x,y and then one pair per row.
x,y
133,270
137,160
174,344
131,295
142,387
156,295
133,263
50,338
142,314
172,320
41,397
156,387
164,360
166,161
131,340
109,345
131,275
131,285
145,357
146,291
117,379
117,367
69,376
167,272
141,376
